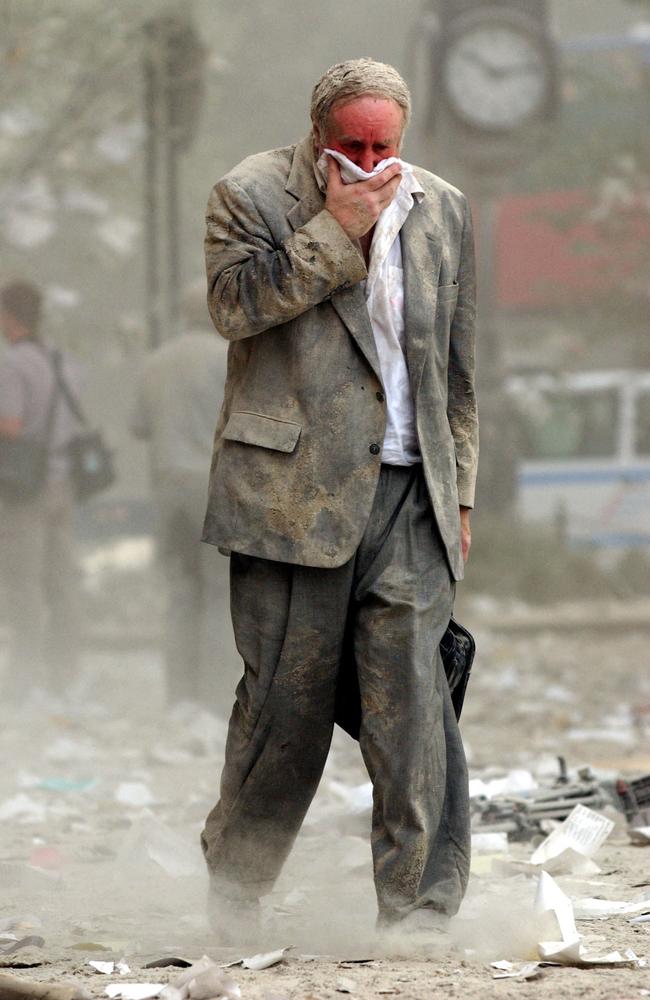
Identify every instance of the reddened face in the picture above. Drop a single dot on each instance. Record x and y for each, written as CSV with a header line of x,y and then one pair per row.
x,y
366,129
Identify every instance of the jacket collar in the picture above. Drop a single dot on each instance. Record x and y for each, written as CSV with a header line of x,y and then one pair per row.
x,y
421,259
301,183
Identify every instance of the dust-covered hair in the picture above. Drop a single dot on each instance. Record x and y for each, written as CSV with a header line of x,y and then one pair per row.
x,y
357,78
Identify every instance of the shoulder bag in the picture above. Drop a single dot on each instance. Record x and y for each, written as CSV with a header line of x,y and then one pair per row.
x,y
91,461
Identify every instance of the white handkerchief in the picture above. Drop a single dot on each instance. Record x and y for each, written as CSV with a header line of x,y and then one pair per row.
x,y
392,218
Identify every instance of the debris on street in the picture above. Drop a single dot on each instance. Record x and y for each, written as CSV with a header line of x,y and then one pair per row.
x,y
87,878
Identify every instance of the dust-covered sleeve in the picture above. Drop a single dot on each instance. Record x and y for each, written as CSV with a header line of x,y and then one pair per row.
x,y
461,406
254,284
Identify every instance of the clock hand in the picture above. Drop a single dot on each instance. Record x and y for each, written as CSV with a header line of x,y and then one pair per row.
x,y
499,72
522,68
476,59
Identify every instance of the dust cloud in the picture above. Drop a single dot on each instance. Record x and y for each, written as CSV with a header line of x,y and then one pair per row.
x,y
111,764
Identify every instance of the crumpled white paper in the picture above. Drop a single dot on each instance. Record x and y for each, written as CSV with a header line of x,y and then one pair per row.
x,y
264,960
490,842
133,991
590,908
568,950
570,847
204,980
516,970
515,782
108,968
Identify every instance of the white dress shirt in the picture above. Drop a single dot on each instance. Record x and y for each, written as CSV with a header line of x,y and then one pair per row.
x,y
384,291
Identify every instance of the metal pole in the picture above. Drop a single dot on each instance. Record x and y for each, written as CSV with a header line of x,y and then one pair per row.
x,y
173,217
151,207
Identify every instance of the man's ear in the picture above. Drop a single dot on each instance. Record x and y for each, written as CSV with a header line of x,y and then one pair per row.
x,y
318,145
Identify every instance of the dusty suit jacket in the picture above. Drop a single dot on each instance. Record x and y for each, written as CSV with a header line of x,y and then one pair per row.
x,y
298,441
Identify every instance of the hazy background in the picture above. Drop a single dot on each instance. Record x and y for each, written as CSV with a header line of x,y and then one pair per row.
x,y
73,208
565,285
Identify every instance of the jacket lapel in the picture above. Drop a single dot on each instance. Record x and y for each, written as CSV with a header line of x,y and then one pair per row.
x,y
421,260
350,304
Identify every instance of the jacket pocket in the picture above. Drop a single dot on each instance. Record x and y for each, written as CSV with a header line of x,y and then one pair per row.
x,y
261,430
447,293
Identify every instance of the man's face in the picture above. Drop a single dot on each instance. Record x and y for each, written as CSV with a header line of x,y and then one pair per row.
x,y
366,130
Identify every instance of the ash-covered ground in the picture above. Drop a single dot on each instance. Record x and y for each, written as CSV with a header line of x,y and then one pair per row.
x,y
102,800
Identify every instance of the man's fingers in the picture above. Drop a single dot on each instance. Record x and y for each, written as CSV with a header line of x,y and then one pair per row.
x,y
357,206
333,173
393,172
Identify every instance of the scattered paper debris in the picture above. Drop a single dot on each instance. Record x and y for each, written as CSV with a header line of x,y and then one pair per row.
x,y
571,845
108,968
639,834
23,809
514,970
133,991
134,793
516,782
31,941
213,983
490,843
194,970
594,909
344,985
203,980
264,960
568,950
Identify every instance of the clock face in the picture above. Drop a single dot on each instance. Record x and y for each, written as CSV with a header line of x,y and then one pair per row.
x,y
496,76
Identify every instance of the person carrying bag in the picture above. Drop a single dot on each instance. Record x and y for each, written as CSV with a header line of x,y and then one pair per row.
x,y
91,461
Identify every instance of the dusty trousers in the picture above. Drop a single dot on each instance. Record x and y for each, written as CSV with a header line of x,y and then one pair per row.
x,y
382,613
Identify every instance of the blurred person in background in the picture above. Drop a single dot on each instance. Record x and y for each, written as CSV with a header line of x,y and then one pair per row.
x,y
177,404
341,484
37,555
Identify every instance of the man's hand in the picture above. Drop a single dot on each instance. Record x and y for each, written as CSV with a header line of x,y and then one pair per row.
x,y
465,532
356,207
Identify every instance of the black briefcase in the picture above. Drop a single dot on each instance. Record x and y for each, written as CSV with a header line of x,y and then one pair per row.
x,y
457,648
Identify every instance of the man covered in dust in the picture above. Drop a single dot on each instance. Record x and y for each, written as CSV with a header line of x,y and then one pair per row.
x,y
342,480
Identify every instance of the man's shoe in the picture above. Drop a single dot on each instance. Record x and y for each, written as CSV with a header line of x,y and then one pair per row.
x,y
237,923
421,933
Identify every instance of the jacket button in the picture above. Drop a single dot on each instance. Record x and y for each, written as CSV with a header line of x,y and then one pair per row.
x,y
374,449
380,396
